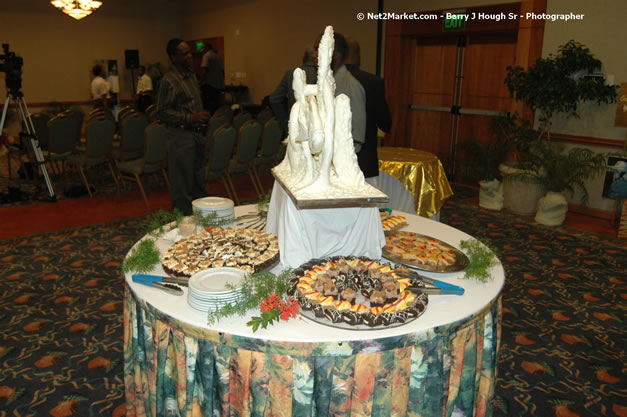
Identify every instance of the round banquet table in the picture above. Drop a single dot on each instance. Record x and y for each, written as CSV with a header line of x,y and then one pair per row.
x,y
442,363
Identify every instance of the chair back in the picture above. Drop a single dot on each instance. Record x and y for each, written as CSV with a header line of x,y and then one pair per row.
x,y
156,146
79,116
150,111
99,114
219,150
264,115
225,111
132,132
247,142
240,119
99,136
40,123
215,122
124,111
271,139
63,134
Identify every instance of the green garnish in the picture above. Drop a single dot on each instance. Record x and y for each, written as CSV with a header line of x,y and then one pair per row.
x,y
143,257
481,255
210,219
255,289
264,202
160,218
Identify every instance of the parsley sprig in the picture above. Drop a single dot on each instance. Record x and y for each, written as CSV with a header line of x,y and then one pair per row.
x,y
481,255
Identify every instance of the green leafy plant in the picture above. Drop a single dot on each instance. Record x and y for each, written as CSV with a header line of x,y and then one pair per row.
x,y
564,171
143,258
158,221
255,289
481,255
264,202
558,83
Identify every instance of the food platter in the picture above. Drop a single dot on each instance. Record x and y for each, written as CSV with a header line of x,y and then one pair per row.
x,y
356,294
423,252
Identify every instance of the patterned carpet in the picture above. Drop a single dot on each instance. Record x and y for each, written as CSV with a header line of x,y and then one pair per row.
x,y
562,349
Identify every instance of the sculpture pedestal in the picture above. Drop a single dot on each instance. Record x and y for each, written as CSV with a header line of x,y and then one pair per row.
x,y
316,233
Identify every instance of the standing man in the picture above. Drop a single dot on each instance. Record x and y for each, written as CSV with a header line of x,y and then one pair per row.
x,y
345,83
377,110
99,88
212,79
282,98
179,106
144,89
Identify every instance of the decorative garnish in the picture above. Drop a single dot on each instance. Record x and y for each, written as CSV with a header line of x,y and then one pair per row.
x,y
481,255
255,289
143,257
273,309
264,202
160,218
210,220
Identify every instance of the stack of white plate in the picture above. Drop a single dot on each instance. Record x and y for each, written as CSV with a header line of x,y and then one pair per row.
x,y
210,289
222,207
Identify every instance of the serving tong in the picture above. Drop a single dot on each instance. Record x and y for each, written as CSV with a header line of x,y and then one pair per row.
x,y
167,284
439,287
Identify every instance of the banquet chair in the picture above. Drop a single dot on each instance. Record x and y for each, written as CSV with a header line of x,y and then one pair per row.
x,y
218,151
240,119
154,159
63,137
246,150
99,142
150,112
270,145
131,136
40,124
215,122
125,111
265,115
226,111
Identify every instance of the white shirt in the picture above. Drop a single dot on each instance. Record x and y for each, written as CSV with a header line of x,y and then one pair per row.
x,y
99,86
345,83
144,84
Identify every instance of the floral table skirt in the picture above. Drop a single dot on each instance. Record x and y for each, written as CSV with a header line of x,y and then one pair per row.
x,y
172,369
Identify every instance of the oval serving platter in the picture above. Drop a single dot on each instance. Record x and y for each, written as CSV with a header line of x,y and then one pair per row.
x,y
412,254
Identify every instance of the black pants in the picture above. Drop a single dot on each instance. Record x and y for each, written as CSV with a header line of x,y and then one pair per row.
x,y
143,101
186,168
211,98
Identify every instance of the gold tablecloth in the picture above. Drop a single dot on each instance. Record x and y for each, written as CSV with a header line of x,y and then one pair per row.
x,y
422,175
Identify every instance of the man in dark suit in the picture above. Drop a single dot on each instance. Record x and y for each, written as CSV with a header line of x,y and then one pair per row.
x,y
377,110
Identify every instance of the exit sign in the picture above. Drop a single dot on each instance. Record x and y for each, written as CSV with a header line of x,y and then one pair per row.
x,y
454,21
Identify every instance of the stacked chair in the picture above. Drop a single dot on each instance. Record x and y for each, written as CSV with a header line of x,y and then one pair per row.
x,y
153,159
218,151
267,156
98,145
245,153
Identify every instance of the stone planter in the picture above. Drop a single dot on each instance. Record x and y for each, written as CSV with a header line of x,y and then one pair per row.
x,y
521,190
491,194
552,209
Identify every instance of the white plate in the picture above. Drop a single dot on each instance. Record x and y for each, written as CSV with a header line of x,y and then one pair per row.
x,y
213,203
215,280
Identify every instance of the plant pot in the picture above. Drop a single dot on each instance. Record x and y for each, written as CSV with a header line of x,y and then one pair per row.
x,y
491,194
552,209
521,190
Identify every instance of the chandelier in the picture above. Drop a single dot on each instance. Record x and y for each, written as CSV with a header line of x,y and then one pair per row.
x,y
76,8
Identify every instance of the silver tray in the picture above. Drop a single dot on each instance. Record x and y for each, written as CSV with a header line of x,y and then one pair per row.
x,y
461,260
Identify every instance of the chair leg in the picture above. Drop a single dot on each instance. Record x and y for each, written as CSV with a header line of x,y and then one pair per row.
x,y
85,181
165,178
227,188
113,174
141,188
228,178
252,179
258,179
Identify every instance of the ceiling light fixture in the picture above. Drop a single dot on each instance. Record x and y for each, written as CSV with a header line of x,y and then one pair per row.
x,y
76,8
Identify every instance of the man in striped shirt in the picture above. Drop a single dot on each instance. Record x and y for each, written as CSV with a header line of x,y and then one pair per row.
x,y
179,106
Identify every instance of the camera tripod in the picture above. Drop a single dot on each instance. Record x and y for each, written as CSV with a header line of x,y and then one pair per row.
x,y
28,138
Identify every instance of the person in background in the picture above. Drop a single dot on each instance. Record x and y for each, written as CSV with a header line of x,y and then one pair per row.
x,y
179,106
212,79
99,88
144,89
345,83
377,110
282,98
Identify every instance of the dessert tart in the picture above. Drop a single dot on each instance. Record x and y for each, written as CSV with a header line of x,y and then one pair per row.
x,y
393,223
355,293
246,249
423,252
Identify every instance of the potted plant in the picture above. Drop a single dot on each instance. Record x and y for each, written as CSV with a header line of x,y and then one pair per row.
x,y
562,172
481,159
555,84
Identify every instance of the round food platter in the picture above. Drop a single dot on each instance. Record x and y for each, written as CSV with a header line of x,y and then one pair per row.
x,y
423,252
355,294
